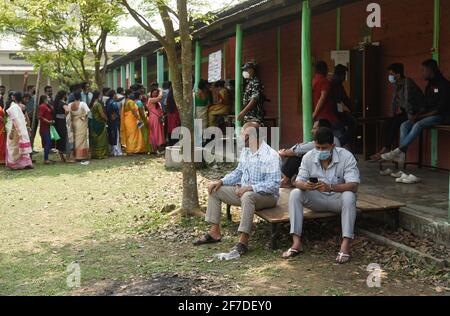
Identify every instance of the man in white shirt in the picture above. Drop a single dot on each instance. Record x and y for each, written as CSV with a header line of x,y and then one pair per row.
x,y
292,158
328,181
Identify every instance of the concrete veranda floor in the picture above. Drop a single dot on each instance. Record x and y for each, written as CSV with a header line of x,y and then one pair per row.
x,y
430,196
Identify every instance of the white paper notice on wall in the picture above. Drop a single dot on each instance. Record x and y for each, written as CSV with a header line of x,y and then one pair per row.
x,y
341,57
215,66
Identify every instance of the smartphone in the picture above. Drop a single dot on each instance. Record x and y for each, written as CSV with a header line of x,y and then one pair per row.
x,y
314,180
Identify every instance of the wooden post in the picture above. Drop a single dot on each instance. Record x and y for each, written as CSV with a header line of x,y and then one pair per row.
x,y
338,29
123,77
160,68
279,76
436,55
238,75
144,72
198,65
306,71
34,119
132,72
115,79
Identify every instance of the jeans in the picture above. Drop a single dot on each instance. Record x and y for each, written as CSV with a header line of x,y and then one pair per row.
x,y
391,128
409,131
47,144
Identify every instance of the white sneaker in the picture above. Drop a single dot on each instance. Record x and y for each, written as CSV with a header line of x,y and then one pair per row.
x,y
402,178
411,179
386,172
391,156
398,174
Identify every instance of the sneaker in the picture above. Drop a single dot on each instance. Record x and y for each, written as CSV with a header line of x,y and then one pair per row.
x,y
402,178
386,172
398,174
411,179
391,156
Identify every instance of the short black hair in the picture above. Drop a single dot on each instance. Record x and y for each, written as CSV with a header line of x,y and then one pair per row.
x,y
120,90
431,64
325,123
18,96
167,85
2,86
397,68
321,67
324,136
77,96
340,70
47,87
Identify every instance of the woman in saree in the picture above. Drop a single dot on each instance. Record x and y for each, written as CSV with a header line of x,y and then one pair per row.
x,y
156,122
113,113
99,134
79,112
143,118
130,124
2,135
61,111
18,145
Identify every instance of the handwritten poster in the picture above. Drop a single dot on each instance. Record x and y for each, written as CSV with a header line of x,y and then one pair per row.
x,y
215,66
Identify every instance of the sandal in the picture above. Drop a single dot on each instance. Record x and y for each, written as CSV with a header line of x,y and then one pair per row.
x,y
207,239
291,253
343,258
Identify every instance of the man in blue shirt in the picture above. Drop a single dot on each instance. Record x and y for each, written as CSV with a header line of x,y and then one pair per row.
x,y
253,185
328,180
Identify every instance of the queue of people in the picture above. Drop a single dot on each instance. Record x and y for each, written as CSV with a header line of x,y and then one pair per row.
x,y
82,124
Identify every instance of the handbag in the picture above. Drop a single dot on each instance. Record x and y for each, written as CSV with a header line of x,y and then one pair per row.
x,y
54,134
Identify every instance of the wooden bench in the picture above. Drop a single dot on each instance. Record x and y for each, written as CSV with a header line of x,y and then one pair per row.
x,y
438,128
365,204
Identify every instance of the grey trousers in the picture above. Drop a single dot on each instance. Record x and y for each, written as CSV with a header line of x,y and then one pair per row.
x,y
249,202
344,203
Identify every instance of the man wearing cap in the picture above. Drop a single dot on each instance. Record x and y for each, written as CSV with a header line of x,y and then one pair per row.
x,y
253,98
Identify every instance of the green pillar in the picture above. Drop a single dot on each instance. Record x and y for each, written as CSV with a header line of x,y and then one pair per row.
x,y
338,29
198,64
279,75
109,79
132,72
306,71
160,68
115,79
144,72
238,74
436,42
123,77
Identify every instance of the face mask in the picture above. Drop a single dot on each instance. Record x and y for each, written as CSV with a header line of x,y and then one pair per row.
x,y
324,154
392,79
246,75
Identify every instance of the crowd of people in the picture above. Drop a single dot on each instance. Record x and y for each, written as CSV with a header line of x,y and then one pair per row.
x,y
82,124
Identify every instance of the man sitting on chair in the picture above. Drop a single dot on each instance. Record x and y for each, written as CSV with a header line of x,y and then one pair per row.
x,y
328,180
253,185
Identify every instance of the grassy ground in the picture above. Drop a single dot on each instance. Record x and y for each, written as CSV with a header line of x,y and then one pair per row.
x,y
107,218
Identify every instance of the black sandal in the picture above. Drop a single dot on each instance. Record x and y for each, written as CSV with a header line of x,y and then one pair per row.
x,y
207,239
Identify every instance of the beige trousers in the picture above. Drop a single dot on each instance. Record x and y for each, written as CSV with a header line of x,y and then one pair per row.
x,y
249,202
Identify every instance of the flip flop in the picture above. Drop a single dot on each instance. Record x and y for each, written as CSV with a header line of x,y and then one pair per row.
x,y
207,239
291,253
343,258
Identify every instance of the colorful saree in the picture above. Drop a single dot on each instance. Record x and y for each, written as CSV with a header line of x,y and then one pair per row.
x,y
131,136
80,128
144,129
99,134
18,146
2,136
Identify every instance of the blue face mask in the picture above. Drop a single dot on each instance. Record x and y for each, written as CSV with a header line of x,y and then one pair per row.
x,y
392,79
324,154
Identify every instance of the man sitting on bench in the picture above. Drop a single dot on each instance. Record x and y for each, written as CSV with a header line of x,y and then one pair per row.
x,y
253,185
437,109
292,158
328,180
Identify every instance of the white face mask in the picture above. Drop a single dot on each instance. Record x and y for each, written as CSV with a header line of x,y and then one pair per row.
x,y
246,75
